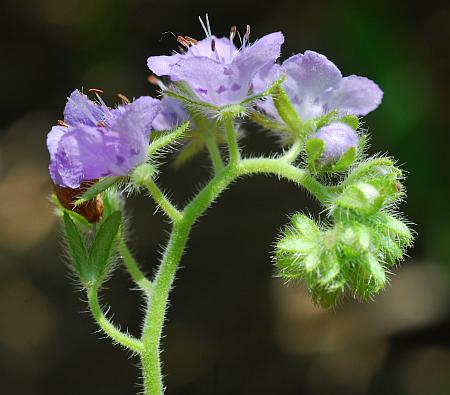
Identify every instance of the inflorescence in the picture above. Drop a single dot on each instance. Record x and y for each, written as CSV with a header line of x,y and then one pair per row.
x,y
96,152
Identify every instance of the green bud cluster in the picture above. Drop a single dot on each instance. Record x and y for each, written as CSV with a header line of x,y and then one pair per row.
x,y
353,253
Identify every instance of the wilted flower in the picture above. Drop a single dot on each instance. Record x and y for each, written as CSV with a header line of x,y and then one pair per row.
x,y
216,71
95,141
315,86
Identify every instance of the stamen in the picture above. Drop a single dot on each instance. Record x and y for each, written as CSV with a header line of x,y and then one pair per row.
x,y
124,99
208,25
213,45
232,33
191,40
232,36
95,90
154,80
247,35
185,43
204,27
62,123
101,124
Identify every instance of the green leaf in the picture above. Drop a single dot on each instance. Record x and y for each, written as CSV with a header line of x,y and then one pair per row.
x,y
97,188
350,120
77,248
166,138
286,110
345,161
102,247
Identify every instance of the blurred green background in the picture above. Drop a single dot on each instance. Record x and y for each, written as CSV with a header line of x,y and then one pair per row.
x,y
232,328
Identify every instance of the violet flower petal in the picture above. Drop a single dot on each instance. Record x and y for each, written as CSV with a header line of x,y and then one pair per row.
x,y
353,95
79,109
171,115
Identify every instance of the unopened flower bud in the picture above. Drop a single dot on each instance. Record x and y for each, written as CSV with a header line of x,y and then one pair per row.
x,y
338,138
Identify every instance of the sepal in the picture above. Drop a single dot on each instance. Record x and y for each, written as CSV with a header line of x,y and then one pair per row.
x,y
92,260
286,110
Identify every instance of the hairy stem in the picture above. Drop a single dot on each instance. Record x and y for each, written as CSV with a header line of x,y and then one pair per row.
x,y
294,151
232,141
214,152
282,169
124,339
133,268
161,200
162,283
157,304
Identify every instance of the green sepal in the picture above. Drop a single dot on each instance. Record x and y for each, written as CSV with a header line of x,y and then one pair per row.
x,y
97,189
286,111
305,225
142,174
102,247
267,122
395,228
345,161
350,120
77,249
232,111
369,277
298,251
163,139
363,198
321,121
314,148
355,240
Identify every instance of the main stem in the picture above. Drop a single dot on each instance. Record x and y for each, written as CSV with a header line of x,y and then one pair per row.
x,y
162,283
182,224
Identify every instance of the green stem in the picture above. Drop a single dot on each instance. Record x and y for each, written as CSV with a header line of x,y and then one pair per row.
x,y
232,141
214,152
163,281
161,200
282,169
294,151
112,331
133,268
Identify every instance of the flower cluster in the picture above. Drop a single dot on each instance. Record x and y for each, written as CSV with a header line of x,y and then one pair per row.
x,y
208,88
305,96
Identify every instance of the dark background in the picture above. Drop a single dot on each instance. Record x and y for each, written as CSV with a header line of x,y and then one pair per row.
x,y
232,328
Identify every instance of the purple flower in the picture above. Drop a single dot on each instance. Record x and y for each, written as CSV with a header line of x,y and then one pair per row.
x,y
95,141
315,87
172,114
338,138
216,71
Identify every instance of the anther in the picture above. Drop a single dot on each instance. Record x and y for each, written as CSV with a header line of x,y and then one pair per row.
x,y
62,123
95,90
191,40
213,45
101,124
185,43
233,32
124,99
154,80
247,34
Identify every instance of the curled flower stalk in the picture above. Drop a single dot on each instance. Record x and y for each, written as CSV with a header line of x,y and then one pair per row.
x,y
214,87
